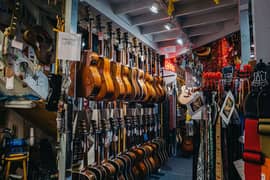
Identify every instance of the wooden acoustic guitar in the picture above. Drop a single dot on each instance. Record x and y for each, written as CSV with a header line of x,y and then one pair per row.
x,y
141,73
119,87
90,78
148,78
107,88
122,55
137,92
156,84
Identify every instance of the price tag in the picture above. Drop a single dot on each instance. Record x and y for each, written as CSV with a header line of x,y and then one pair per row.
x,y
128,133
17,44
69,46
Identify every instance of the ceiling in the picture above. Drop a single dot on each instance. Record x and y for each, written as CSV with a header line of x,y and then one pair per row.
x,y
197,22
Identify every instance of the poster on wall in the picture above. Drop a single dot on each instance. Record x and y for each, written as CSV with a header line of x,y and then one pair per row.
x,y
227,108
196,104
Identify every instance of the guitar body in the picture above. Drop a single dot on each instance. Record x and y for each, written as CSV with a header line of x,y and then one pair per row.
x,y
149,158
84,175
142,84
90,78
133,74
141,170
187,145
119,86
97,172
107,88
126,82
158,89
164,91
157,154
127,162
121,168
150,89
111,170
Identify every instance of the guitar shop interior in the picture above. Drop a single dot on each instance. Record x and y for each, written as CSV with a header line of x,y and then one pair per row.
x,y
134,90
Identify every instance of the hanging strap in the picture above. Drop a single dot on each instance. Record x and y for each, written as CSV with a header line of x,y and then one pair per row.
x,y
264,133
252,151
219,167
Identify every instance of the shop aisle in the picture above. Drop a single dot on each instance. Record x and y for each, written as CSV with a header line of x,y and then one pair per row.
x,y
177,168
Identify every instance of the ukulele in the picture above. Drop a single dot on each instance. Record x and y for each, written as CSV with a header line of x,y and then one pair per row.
x,y
107,88
90,84
122,54
119,87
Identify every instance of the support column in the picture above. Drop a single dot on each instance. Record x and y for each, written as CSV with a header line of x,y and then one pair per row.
x,y
65,159
245,31
261,29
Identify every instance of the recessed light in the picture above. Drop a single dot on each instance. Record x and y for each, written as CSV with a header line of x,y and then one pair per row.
x,y
168,26
154,8
180,41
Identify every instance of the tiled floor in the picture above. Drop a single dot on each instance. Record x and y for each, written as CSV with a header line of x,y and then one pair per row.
x,y
176,169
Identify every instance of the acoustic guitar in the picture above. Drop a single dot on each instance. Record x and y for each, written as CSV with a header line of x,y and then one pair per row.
x,y
148,79
141,73
119,87
161,81
133,75
156,84
122,56
107,88
187,94
90,78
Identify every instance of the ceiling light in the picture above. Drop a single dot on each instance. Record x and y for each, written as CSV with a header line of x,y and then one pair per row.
x,y
154,8
168,26
180,41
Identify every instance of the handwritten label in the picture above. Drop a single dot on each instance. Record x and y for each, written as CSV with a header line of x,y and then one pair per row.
x,y
17,44
69,46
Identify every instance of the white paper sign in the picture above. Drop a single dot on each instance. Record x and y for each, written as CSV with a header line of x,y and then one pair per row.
x,y
10,83
227,108
69,46
17,44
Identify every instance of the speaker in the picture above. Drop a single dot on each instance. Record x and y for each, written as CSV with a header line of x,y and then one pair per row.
x,y
162,60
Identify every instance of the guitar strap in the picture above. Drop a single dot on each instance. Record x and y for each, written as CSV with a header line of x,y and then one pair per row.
x,y
264,121
218,163
200,163
252,149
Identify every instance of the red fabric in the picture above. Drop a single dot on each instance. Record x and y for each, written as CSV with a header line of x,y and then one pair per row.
x,y
252,143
